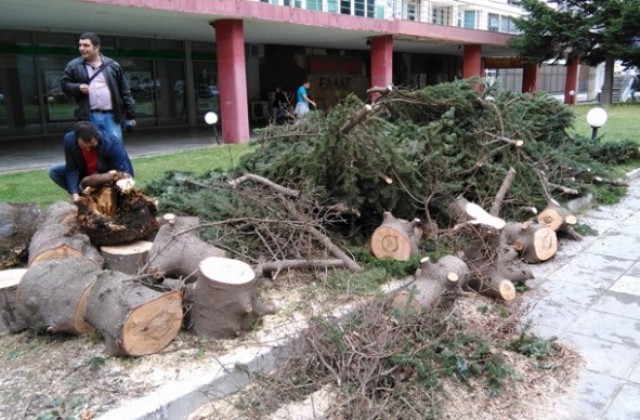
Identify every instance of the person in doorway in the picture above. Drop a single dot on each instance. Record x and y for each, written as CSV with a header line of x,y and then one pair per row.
x,y
635,83
99,87
280,106
88,151
302,99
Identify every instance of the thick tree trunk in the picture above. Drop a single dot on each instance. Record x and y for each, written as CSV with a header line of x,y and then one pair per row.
x,y
10,320
61,241
225,299
133,319
536,243
127,258
177,250
437,285
396,239
18,223
52,294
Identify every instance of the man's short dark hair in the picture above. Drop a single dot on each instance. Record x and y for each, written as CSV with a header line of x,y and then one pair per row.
x,y
91,37
85,130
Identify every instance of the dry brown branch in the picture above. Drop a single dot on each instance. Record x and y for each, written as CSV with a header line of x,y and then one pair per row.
x,y
506,183
616,182
359,117
257,178
516,143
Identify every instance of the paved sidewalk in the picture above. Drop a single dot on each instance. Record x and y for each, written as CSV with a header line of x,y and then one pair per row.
x,y
42,153
588,296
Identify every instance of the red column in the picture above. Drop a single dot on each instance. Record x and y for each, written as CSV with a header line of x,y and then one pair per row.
x,y
530,77
381,61
571,82
232,75
472,61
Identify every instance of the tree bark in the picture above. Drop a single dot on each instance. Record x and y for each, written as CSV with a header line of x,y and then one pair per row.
x,y
10,320
133,319
18,223
225,300
177,250
437,285
127,258
535,242
61,241
52,294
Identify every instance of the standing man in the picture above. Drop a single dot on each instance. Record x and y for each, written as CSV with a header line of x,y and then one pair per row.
x,y
88,151
98,84
302,99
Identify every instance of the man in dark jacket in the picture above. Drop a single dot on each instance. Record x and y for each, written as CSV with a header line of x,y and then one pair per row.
x,y
98,84
88,151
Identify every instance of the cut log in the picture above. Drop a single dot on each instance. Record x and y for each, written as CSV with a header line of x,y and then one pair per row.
x,y
111,217
127,258
61,241
52,294
10,320
437,285
60,212
535,242
177,250
556,216
133,319
18,223
495,286
464,211
396,239
225,299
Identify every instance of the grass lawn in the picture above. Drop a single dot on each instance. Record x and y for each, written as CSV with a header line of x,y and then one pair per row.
x,y
36,187
623,122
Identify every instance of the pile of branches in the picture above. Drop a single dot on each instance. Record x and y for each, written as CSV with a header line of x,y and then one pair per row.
x,y
412,153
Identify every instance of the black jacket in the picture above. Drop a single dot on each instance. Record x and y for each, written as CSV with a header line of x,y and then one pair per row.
x,y
75,74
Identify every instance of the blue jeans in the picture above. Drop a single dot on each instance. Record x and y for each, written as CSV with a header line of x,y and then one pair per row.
x,y
56,173
105,122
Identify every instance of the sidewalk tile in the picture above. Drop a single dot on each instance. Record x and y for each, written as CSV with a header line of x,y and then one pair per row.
x,y
620,246
626,405
604,326
604,357
591,395
622,304
627,284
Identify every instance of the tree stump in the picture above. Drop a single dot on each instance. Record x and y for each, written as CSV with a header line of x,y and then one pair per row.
x,y
10,320
225,300
52,294
111,217
18,223
127,258
535,242
396,239
133,319
494,285
177,250
61,241
436,285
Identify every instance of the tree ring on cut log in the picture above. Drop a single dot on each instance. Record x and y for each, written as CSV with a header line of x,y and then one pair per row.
x,y
389,242
550,217
548,243
226,270
507,290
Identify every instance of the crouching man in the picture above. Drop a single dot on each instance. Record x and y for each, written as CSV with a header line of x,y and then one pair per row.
x,y
89,152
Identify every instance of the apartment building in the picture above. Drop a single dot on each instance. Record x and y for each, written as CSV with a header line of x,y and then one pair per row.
x,y
184,58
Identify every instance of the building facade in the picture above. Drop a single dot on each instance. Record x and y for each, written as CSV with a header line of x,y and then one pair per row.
x,y
185,58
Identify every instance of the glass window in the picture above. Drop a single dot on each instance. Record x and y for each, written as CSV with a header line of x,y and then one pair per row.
x,y
494,22
314,4
207,92
19,102
440,16
470,19
413,10
170,93
166,45
143,84
57,106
